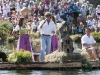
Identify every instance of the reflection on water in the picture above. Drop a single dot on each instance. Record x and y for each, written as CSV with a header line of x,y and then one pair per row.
x,y
47,72
9,46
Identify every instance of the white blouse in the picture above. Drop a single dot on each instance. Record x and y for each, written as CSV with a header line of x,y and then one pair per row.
x,y
17,28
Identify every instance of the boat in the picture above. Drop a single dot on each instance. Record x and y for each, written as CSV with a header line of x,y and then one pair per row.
x,y
45,65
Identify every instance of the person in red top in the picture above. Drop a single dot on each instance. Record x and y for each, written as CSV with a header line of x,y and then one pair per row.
x,y
35,8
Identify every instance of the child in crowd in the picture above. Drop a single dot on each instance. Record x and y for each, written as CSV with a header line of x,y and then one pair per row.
x,y
95,26
73,29
69,20
81,28
57,17
35,25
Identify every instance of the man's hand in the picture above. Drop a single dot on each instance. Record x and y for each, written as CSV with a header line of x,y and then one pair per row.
x,y
94,44
43,23
89,45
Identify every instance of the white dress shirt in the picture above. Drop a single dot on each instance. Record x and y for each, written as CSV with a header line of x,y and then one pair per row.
x,y
47,28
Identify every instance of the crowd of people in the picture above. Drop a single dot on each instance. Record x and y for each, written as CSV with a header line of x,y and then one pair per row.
x,y
76,14
44,16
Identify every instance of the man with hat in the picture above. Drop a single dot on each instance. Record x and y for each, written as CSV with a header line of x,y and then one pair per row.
x,y
25,12
46,28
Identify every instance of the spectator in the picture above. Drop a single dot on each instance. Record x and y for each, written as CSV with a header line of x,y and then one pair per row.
x,y
4,8
83,11
81,28
35,26
95,26
90,22
74,29
75,12
98,11
80,19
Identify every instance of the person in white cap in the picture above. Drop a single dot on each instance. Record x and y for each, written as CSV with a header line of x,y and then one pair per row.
x,y
24,11
8,7
12,4
4,8
18,7
98,11
0,8
83,12
71,1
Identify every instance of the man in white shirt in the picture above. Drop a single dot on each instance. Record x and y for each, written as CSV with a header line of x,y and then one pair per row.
x,y
46,27
88,43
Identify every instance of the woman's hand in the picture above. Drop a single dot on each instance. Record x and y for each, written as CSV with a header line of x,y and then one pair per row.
x,y
15,33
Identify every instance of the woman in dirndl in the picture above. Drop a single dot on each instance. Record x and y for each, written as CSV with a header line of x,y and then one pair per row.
x,y
22,31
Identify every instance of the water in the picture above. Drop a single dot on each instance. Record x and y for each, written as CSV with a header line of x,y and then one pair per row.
x,y
47,72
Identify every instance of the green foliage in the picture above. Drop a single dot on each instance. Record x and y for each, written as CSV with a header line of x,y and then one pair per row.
x,y
86,66
57,32
74,56
76,38
21,56
96,36
5,29
11,39
95,3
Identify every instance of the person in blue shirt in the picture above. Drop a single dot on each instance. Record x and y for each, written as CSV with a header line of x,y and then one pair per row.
x,y
27,3
35,25
71,6
74,29
81,28
75,12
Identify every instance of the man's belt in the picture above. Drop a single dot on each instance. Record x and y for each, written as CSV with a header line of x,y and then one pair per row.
x,y
45,34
